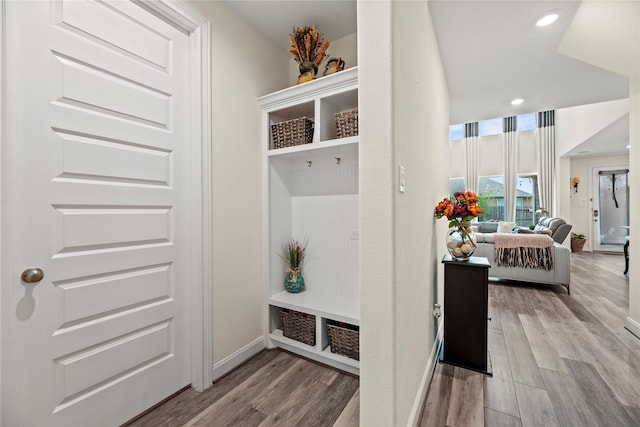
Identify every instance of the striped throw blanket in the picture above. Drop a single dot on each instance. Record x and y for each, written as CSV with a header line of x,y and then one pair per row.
x,y
524,250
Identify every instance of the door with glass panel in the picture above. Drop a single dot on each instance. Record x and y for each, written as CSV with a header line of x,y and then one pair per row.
x,y
610,208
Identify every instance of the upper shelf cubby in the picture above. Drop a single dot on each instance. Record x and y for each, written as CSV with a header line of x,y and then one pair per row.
x,y
329,106
318,100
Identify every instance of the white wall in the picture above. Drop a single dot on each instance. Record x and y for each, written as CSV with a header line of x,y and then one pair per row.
x,y
574,125
345,48
420,123
580,204
377,322
491,159
633,321
613,43
404,111
244,66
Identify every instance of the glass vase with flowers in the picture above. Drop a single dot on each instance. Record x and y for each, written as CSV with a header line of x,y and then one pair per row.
x,y
460,211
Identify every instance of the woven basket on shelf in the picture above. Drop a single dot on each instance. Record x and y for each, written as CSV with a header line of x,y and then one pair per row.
x,y
299,326
344,341
292,132
346,124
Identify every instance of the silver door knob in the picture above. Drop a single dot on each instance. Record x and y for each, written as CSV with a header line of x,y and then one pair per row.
x,y
32,275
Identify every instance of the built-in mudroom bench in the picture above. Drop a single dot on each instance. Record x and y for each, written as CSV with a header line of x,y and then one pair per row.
x,y
311,194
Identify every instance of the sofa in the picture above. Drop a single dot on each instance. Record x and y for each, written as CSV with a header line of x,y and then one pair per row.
x,y
555,230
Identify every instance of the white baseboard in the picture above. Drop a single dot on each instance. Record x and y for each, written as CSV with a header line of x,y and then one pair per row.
x,y
633,326
416,410
236,359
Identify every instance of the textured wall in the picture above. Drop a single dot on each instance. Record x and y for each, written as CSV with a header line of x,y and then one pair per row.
x,y
404,112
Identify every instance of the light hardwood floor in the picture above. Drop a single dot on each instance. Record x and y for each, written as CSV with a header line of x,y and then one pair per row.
x,y
275,388
558,360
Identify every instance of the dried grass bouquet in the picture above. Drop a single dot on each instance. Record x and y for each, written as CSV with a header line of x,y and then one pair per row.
x,y
308,45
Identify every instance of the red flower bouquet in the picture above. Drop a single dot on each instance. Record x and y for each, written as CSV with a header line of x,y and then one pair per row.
x,y
460,211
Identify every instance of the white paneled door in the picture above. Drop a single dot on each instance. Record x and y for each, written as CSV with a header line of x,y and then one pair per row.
x,y
97,115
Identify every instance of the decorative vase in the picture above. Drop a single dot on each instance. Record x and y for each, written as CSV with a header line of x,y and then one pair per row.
x,y
308,72
461,242
333,65
294,282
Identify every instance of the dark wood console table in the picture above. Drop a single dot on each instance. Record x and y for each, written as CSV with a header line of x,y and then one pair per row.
x,y
466,294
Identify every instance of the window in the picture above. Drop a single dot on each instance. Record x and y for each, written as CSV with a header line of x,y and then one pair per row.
x,y
456,132
456,184
490,127
491,198
526,122
527,199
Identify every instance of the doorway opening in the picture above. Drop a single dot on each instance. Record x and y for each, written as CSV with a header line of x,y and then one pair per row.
x,y
610,208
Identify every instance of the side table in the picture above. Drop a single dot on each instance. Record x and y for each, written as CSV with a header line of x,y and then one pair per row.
x,y
466,295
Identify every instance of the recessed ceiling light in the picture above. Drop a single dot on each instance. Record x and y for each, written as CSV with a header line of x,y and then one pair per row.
x,y
517,101
628,146
547,19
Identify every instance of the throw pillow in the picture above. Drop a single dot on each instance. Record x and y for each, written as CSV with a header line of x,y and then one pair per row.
x,y
505,227
487,227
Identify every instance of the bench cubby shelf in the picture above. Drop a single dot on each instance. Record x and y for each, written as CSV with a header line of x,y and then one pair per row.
x,y
311,193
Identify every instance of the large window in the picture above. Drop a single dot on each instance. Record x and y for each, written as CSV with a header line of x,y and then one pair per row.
x,y
527,199
490,127
456,184
526,121
491,188
491,198
456,132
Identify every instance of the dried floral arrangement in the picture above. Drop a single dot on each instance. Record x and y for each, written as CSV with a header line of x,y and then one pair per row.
x,y
308,45
293,253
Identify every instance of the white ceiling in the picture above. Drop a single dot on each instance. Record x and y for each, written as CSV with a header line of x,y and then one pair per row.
x,y
492,52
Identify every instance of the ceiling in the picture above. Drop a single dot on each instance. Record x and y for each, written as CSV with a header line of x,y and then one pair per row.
x,y
492,52
275,19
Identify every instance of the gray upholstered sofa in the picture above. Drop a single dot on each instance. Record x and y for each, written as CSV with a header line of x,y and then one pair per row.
x,y
559,274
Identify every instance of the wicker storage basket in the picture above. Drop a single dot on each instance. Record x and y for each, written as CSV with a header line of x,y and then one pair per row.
x,y
292,132
299,326
344,341
346,124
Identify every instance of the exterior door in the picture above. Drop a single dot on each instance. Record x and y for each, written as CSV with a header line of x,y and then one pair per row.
x,y
97,152
610,212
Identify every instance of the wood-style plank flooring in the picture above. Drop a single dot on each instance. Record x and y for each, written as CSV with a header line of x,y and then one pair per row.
x,y
557,360
275,388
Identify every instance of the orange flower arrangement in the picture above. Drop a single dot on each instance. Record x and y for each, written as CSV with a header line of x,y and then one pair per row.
x,y
460,211
463,208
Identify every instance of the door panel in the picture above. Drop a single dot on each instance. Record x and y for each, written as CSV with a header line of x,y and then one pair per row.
x,y
99,166
99,90
116,161
96,20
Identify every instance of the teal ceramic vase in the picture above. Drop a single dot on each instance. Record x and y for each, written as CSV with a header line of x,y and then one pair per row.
x,y
294,282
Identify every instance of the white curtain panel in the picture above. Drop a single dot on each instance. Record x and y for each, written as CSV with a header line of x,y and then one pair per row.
x,y
546,136
510,153
472,154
